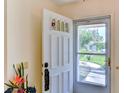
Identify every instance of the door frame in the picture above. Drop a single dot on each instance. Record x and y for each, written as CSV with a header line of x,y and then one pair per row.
x,y
91,20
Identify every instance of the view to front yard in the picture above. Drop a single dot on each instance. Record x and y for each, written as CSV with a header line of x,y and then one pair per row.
x,y
92,53
100,60
92,40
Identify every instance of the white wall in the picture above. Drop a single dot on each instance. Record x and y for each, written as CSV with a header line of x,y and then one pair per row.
x,y
91,8
24,26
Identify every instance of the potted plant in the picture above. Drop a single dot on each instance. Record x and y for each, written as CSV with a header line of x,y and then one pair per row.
x,y
20,83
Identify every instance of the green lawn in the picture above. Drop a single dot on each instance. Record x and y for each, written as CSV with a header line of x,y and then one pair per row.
x,y
93,58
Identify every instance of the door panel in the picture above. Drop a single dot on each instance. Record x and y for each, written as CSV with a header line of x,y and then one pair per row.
x,y
66,50
55,83
58,53
54,44
66,82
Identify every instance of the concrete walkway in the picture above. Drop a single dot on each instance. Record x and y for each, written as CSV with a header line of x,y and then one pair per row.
x,y
92,73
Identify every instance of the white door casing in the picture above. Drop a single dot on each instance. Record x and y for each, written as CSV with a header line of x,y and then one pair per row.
x,y
57,48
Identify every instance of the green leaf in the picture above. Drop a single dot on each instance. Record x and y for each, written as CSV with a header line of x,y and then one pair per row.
x,y
19,71
26,81
22,69
22,73
15,70
9,85
13,84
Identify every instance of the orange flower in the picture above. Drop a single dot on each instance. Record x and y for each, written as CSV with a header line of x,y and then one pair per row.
x,y
18,80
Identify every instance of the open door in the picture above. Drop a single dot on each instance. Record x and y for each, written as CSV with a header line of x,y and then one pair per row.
x,y
57,47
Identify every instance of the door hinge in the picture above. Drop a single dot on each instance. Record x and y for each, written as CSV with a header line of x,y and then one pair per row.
x,y
109,62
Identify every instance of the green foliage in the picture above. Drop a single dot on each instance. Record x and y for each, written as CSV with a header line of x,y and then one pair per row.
x,y
13,84
26,81
20,82
15,69
85,38
88,39
10,85
100,46
22,69
20,73
100,60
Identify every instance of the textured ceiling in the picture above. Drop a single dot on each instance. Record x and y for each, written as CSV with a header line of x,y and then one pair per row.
x,y
61,2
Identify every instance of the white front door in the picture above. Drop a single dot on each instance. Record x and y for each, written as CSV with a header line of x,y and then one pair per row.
x,y
57,39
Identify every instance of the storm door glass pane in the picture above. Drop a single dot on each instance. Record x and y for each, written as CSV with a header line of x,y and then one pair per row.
x,y
91,54
92,38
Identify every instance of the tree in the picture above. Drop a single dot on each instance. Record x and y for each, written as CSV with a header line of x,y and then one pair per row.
x,y
85,38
